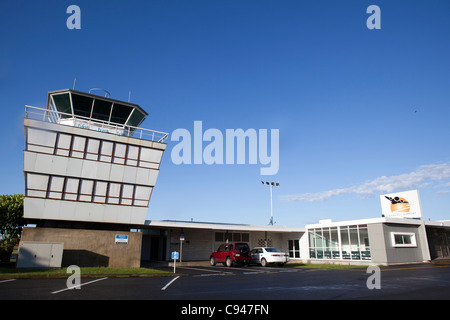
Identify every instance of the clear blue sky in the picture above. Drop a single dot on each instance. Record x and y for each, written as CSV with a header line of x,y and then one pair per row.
x,y
353,105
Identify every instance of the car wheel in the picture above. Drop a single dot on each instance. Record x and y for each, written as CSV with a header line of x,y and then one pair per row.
x,y
263,262
212,261
228,262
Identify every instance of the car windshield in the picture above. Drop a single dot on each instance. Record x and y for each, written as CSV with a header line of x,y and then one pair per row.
x,y
272,250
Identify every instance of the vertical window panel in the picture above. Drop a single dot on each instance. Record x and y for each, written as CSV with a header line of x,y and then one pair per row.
x,y
345,243
127,194
86,187
78,146
71,189
113,193
101,110
56,186
294,248
37,185
37,181
334,244
120,153
40,140
150,158
100,189
92,149
219,237
364,242
142,192
63,145
354,243
106,151
142,195
132,155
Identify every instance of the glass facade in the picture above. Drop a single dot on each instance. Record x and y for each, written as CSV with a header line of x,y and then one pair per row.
x,y
294,248
341,242
95,108
62,104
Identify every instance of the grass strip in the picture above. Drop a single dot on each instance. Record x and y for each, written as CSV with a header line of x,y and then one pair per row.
x,y
9,273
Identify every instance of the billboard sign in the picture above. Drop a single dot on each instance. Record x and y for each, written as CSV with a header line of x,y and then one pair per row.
x,y
404,204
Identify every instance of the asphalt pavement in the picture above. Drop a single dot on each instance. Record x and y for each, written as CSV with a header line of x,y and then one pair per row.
x,y
425,281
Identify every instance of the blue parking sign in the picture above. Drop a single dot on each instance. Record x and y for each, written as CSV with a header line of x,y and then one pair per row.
x,y
174,255
121,239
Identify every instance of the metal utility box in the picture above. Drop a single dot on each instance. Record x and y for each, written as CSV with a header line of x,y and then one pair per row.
x,y
40,254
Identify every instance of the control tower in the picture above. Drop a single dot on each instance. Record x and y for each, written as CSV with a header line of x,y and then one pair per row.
x,y
88,168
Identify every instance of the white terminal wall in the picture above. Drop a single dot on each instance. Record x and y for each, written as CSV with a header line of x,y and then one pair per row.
x,y
126,166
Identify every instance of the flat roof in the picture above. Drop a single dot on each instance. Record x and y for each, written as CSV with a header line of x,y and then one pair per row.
x,y
329,223
219,226
269,228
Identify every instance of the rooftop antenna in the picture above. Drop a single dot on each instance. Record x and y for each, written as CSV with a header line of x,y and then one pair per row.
x,y
74,82
107,94
129,96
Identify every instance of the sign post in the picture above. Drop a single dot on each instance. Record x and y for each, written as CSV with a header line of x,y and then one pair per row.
x,y
174,257
181,245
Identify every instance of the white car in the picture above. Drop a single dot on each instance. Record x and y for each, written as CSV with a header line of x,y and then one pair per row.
x,y
266,255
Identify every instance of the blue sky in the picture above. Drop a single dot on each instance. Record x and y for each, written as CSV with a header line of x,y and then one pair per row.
x,y
352,105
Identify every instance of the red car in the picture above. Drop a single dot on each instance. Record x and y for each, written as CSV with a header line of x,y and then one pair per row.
x,y
229,253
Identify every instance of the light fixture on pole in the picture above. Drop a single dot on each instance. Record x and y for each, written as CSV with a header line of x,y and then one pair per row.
x,y
271,184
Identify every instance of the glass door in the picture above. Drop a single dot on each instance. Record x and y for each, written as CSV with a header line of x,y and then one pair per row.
x,y
294,248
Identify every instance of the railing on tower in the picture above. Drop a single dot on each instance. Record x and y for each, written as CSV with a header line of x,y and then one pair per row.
x,y
54,116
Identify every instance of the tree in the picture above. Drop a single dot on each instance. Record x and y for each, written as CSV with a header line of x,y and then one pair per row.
x,y
11,222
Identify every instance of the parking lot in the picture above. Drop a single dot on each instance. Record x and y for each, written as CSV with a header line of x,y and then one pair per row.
x,y
425,281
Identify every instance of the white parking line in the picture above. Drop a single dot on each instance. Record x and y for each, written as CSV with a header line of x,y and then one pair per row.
x,y
54,292
214,274
167,285
243,269
7,280
209,270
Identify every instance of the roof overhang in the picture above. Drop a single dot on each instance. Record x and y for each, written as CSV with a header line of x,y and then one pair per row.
x,y
219,226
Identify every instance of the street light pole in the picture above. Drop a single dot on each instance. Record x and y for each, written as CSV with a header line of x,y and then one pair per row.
x,y
271,185
271,207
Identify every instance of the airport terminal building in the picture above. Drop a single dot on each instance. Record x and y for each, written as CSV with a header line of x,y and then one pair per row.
x,y
89,174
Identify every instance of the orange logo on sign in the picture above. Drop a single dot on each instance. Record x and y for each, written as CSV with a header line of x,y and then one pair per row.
x,y
398,204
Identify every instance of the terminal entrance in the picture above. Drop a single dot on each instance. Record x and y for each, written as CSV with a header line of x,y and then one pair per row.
x,y
439,242
154,244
